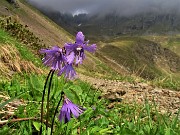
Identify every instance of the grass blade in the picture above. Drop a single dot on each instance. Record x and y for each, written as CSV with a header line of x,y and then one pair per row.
x,y
11,99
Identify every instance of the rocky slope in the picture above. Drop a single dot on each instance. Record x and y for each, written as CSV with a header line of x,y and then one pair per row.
x,y
116,91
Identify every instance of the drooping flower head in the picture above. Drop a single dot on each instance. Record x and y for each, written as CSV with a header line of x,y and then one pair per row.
x,y
68,109
54,57
69,72
76,51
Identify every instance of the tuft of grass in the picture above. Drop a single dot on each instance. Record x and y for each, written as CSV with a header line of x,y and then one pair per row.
x,y
167,82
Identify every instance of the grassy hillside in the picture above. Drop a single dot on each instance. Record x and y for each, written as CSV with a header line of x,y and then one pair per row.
x,y
16,58
141,57
22,78
171,42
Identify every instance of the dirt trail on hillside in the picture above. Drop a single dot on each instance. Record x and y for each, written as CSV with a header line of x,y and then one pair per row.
x,y
165,99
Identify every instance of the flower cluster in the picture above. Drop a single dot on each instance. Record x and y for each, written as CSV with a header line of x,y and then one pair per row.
x,y
63,59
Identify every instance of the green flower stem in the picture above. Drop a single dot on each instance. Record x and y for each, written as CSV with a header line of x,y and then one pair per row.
x,y
49,88
52,124
42,103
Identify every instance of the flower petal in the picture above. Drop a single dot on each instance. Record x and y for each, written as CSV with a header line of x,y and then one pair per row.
x,y
91,48
70,47
80,38
70,58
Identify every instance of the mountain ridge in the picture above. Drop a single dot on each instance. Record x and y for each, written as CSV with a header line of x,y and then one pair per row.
x,y
112,25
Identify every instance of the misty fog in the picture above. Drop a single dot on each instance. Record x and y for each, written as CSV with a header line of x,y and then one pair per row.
x,y
102,7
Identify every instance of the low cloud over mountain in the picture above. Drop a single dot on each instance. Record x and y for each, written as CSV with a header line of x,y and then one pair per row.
x,y
103,7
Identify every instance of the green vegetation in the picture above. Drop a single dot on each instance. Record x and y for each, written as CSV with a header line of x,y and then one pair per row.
x,y
25,53
122,119
167,82
16,58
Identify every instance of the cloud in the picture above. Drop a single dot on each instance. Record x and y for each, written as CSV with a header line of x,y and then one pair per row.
x,y
122,7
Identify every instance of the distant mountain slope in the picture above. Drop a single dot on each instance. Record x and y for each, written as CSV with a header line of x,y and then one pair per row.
x,y
113,25
140,57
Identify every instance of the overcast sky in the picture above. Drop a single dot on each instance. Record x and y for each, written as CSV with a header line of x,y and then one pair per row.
x,y
122,7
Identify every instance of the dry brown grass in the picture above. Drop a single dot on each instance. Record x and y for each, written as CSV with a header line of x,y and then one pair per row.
x,y
11,62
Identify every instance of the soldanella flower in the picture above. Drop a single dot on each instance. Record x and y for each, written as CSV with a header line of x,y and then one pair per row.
x,y
76,51
54,57
69,72
68,109
63,59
